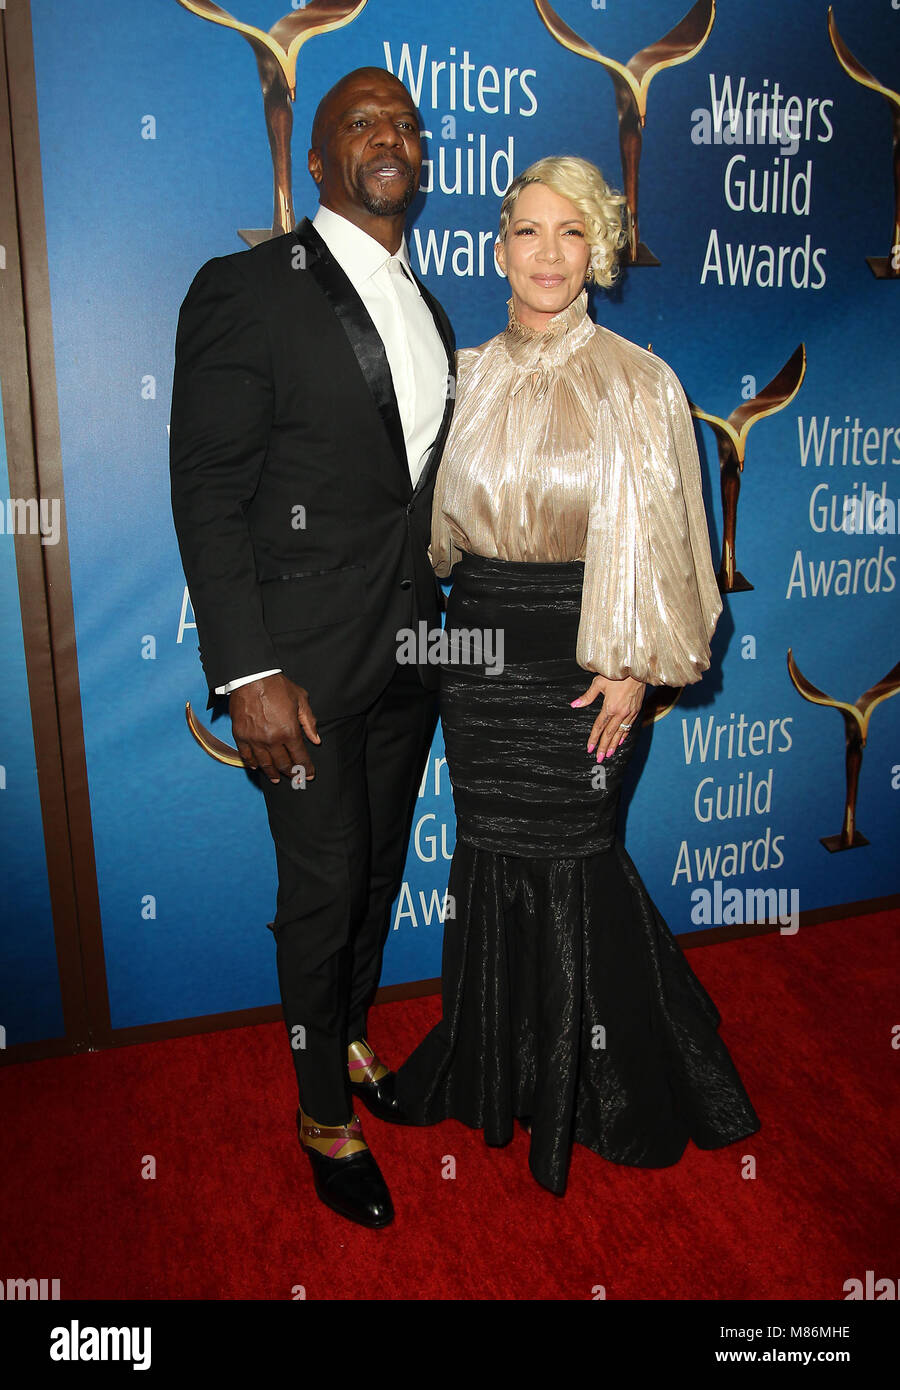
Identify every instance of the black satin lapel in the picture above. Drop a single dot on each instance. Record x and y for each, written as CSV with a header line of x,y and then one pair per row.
x,y
442,326
437,447
361,333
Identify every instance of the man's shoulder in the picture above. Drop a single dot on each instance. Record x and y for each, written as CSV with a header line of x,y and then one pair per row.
x,y
286,249
265,278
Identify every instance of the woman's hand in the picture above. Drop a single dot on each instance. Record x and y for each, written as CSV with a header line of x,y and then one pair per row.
x,y
621,706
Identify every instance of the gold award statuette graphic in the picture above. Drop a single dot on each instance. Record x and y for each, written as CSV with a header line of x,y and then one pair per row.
x,y
856,727
731,438
882,267
631,81
222,752
659,701
276,58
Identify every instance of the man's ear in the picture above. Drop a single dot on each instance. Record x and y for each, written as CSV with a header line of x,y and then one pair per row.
x,y
500,254
314,165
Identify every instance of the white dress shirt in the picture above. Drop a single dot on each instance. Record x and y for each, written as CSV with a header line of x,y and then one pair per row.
x,y
415,352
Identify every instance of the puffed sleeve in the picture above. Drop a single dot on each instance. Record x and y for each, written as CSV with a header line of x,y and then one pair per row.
x,y
650,602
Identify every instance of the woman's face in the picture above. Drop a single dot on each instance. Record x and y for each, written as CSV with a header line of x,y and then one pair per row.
x,y
545,255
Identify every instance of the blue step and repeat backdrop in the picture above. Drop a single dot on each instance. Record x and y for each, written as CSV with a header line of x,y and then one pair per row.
x,y
757,151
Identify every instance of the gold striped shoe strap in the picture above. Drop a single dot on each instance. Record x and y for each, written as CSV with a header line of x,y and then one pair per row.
x,y
334,1141
362,1063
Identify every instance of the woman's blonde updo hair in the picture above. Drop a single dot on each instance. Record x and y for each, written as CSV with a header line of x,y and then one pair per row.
x,y
600,206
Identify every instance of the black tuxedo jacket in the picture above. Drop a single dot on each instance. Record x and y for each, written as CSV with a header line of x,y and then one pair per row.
x,y
303,541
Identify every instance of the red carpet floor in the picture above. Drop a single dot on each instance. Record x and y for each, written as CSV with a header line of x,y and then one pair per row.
x,y
231,1213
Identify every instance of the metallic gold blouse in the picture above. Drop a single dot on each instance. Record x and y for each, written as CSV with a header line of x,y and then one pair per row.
x,y
574,444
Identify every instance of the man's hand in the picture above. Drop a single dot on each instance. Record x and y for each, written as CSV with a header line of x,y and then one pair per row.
x,y
621,706
268,720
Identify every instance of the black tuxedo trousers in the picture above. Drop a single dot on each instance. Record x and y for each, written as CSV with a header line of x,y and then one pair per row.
x,y
340,843
304,544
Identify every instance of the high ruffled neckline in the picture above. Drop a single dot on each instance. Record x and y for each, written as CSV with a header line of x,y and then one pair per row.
x,y
563,333
561,323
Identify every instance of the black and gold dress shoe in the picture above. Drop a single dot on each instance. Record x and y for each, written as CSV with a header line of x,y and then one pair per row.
x,y
373,1084
346,1176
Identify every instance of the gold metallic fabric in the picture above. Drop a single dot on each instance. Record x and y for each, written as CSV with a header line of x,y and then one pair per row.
x,y
572,443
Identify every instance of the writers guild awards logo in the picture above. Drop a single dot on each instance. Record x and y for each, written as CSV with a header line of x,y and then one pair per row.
x,y
276,58
631,81
731,438
883,267
856,727
659,701
222,752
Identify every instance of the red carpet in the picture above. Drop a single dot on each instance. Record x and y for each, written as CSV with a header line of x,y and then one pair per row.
x,y
231,1212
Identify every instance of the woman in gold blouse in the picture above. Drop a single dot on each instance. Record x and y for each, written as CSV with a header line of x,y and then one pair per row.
x,y
568,507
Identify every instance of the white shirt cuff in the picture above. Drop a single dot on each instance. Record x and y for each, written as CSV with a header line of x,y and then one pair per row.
x,y
244,680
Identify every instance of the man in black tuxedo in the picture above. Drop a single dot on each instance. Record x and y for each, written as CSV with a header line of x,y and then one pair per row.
x,y
313,391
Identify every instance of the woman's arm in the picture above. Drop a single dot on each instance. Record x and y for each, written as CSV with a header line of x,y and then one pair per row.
x,y
650,600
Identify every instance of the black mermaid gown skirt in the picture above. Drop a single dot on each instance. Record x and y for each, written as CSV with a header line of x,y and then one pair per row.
x,y
567,1001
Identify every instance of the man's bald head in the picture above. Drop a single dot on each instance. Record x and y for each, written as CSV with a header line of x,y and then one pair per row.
x,y
366,153
337,97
